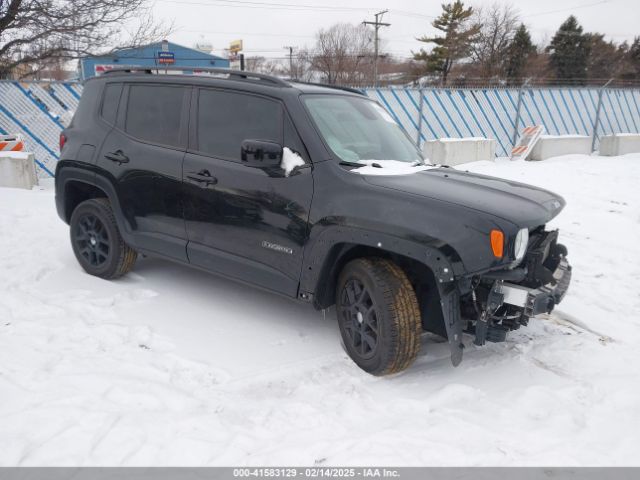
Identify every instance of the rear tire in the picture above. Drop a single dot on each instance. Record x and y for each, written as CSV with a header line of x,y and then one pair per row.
x,y
378,316
97,242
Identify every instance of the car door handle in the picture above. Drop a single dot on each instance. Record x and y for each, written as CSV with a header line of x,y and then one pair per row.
x,y
117,156
202,176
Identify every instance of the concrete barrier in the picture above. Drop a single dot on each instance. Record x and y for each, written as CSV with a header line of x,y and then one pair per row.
x,y
619,144
549,146
454,151
18,170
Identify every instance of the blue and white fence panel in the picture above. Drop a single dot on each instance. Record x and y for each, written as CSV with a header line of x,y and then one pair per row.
x,y
40,110
430,113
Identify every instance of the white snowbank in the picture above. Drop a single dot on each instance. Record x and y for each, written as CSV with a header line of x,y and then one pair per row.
x,y
290,160
389,167
172,366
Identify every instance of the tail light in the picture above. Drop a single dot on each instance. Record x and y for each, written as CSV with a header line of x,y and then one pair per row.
x,y
63,140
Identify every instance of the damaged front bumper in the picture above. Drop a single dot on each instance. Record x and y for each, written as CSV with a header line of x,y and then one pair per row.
x,y
507,299
535,301
490,305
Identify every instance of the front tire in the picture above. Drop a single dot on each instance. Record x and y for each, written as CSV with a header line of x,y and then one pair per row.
x,y
378,315
96,240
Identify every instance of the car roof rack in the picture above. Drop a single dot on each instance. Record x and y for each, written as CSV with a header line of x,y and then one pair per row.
x,y
235,74
326,85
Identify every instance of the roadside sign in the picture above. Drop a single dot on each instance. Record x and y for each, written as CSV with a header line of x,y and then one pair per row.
x,y
166,58
235,46
528,139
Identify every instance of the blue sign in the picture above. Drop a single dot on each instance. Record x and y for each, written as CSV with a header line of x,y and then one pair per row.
x,y
166,57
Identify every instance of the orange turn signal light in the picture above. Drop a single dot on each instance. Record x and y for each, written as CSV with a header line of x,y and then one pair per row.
x,y
497,243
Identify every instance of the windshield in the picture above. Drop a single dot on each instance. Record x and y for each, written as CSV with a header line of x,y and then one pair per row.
x,y
358,129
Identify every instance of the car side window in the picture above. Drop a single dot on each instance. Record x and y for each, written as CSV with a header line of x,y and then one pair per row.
x,y
154,113
226,119
110,101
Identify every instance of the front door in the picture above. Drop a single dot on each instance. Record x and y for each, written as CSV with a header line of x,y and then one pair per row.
x,y
246,223
143,156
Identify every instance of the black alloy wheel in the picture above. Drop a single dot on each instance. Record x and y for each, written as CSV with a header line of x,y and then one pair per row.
x,y
92,239
97,242
378,315
360,319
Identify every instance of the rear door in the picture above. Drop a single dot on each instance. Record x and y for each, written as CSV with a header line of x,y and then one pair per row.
x,y
246,223
142,156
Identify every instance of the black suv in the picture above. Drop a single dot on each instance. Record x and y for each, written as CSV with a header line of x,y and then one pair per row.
x,y
309,191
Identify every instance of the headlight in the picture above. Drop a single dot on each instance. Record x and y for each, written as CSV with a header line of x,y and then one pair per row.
x,y
520,245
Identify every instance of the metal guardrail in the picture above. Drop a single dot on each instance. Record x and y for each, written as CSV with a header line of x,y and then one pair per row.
x,y
39,111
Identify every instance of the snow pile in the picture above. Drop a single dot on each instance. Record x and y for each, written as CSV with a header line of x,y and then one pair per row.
x,y
172,366
290,160
389,167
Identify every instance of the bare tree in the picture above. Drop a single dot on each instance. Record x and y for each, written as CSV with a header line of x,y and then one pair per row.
x,y
302,65
343,53
261,64
498,25
32,32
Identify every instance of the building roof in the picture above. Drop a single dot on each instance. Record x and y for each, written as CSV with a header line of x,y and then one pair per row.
x,y
185,52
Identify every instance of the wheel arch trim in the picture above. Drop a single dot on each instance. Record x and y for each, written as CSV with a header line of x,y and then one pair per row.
x,y
70,174
333,243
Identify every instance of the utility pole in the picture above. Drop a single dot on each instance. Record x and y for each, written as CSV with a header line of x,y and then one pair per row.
x,y
376,25
290,48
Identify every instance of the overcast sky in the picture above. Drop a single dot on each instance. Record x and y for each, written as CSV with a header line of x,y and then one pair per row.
x,y
267,26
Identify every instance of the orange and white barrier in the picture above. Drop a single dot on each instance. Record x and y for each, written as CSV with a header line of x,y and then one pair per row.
x,y
11,143
528,139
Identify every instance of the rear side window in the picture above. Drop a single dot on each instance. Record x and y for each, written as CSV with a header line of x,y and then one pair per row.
x,y
110,102
225,119
154,112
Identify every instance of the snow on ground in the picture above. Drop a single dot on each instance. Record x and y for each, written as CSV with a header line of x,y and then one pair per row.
x,y
171,366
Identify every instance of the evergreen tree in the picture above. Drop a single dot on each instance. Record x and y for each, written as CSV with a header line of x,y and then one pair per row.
x,y
569,50
456,42
631,65
519,51
606,59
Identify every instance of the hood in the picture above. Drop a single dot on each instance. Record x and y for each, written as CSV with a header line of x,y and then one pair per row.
x,y
521,204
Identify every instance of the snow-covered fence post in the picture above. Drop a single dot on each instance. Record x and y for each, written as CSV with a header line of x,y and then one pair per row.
x,y
420,106
516,123
597,119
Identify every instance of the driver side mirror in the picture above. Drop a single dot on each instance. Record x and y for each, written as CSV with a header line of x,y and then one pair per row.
x,y
261,154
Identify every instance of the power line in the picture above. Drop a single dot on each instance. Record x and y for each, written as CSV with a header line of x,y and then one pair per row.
x,y
567,9
270,6
291,6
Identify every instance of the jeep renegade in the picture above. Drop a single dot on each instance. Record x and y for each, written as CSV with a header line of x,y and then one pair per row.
x,y
311,192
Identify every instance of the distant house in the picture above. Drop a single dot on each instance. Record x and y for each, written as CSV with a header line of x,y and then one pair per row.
x,y
154,55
